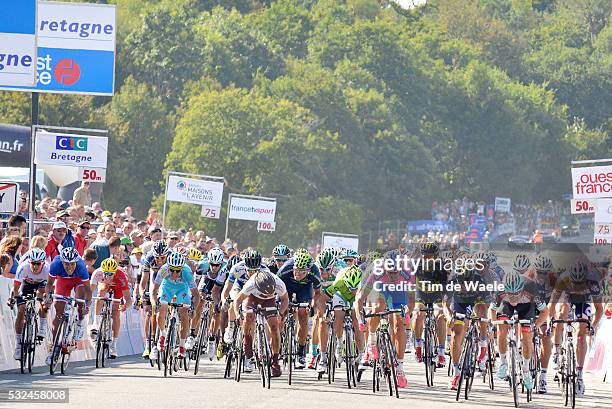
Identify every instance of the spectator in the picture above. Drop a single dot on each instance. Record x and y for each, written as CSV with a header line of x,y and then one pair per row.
x,y
137,237
82,195
56,239
10,246
80,238
38,241
128,212
17,225
89,257
153,216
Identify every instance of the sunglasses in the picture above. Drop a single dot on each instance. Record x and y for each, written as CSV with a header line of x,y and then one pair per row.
x,y
160,257
215,265
252,270
280,260
36,263
108,274
175,270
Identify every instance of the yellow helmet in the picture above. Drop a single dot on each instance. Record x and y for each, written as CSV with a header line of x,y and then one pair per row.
x,y
195,254
109,265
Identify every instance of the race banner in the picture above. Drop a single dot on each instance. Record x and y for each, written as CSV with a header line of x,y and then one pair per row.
x,y
243,208
592,182
337,240
70,150
196,191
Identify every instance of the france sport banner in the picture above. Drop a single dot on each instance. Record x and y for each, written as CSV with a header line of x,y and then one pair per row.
x,y
17,43
76,49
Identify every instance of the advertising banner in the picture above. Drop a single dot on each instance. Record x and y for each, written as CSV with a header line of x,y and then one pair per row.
x,y
195,191
8,197
337,241
502,204
18,43
425,226
76,49
592,182
70,150
603,221
252,209
15,145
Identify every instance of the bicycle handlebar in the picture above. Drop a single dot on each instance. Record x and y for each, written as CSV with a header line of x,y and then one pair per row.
x,y
68,299
383,313
116,300
510,322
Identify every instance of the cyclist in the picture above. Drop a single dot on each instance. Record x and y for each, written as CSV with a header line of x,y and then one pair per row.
x,y
467,301
387,288
341,292
303,282
326,263
349,257
520,296
213,273
112,282
68,272
261,290
151,263
31,279
174,279
430,274
237,277
545,278
280,254
582,288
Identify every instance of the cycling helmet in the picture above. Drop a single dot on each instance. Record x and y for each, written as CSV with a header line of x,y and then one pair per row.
x,y
353,277
37,255
521,263
325,259
195,254
109,265
543,264
482,256
348,253
361,259
446,255
302,260
374,255
252,259
430,248
491,257
280,251
233,261
69,255
265,283
215,256
514,282
578,272
176,259
160,248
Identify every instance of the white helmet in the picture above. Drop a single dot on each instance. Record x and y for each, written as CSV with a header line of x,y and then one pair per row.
x,y
521,263
215,256
37,255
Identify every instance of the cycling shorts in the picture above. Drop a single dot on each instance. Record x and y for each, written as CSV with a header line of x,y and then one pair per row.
x,y
584,310
28,289
525,311
303,293
64,286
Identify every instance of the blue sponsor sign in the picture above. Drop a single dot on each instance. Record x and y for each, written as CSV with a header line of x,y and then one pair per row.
x,y
17,42
425,226
76,49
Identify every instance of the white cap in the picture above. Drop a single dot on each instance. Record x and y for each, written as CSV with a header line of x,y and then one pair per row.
x,y
59,225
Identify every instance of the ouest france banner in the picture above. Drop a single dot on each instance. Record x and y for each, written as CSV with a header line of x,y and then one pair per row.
x,y
76,49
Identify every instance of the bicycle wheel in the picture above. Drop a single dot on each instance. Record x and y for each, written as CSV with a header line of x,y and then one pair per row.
x,y
67,338
571,366
331,356
471,369
57,346
490,368
238,347
200,344
290,349
33,342
24,343
348,360
100,343
428,356
151,340
168,349
513,374
392,360
463,362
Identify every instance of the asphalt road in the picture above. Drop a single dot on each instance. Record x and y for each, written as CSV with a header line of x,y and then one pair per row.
x,y
132,383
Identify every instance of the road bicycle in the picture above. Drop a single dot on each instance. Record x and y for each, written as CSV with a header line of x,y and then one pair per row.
x,y
385,364
289,343
263,351
429,344
63,341
30,337
104,335
202,335
171,360
468,361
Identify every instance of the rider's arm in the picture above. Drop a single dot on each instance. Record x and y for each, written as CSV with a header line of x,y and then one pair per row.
x,y
284,303
153,294
127,297
238,302
144,280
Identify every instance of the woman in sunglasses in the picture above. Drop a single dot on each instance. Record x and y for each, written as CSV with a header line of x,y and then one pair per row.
x,y
31,279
